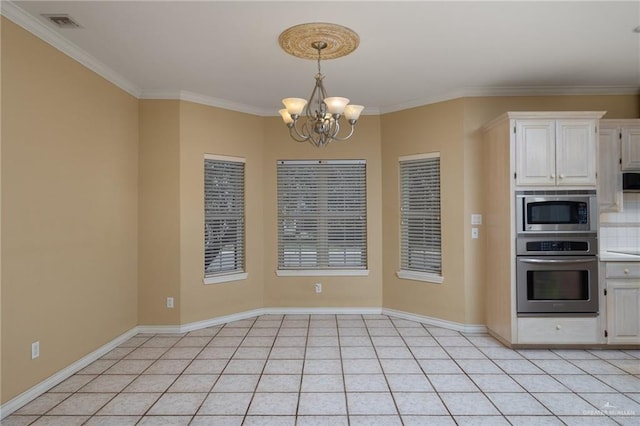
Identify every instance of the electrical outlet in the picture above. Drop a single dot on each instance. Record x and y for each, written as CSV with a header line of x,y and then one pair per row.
x,y
474,233
318,287
35,350
169,302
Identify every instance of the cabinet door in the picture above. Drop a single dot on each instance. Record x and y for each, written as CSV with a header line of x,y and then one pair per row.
x,y
535,152
623,311
609,176
631,148
576,152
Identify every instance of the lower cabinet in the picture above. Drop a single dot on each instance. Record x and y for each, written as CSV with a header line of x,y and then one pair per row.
x,y
558,330
623,302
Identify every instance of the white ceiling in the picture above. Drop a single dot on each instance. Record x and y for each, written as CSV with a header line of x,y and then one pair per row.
x,y
411,53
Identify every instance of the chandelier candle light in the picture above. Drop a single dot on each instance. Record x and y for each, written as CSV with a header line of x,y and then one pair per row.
x,y
320,123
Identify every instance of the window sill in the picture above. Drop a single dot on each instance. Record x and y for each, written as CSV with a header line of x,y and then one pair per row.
x,y
218,279
420,276
322,272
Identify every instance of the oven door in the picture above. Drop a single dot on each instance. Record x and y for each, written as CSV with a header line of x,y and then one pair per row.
x,y
552,285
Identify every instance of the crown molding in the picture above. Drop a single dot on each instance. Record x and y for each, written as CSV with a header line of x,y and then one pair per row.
x,y
38,28
472,92
183,95
18,16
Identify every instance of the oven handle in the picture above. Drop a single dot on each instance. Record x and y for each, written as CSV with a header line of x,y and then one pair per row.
x,y
557,260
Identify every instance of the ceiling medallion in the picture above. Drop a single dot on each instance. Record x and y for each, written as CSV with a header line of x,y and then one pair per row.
x,y
299,39
320,123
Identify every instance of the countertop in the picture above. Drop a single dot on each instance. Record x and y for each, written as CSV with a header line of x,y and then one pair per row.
x,y
608,256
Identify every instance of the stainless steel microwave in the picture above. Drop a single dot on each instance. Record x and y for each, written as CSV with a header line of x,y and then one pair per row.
x,y
556,211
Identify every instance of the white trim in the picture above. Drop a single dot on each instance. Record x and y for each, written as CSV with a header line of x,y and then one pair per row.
x,y
196,98
224,158
595,115
219,279
42,387
322,272
323,311
160,329
419,156
510,91
314,162
44,32
18,16
436,322
420,276
185,328
174,329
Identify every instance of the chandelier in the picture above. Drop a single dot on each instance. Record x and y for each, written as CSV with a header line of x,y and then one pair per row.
x,y
317,120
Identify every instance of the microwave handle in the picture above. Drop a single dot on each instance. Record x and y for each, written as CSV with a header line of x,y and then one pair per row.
x,y
557,260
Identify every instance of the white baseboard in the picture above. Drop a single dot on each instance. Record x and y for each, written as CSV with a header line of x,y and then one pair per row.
x,y
192,326
323,311
221,320
42,387
436,322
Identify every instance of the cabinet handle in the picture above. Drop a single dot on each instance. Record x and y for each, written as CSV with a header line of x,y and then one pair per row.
x,y
626,271
558,327
553,175
561,176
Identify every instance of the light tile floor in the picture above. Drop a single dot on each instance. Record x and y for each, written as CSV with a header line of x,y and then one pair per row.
x,y
341,370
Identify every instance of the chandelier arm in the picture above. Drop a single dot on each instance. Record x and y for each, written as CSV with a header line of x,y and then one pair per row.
x,y
295,133
344,138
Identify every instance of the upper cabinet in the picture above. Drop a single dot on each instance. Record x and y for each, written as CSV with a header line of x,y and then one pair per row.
x,y
618,151
556,152
630,142
609,176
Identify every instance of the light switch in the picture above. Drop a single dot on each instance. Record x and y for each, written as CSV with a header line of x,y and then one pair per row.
x,y
476,219
474,233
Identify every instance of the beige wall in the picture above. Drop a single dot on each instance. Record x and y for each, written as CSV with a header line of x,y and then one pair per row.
x,y
431,128
159,212
101,208
453,128
211,130
69,210
338,291
477,113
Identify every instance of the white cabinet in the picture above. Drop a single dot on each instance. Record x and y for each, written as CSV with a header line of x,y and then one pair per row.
x,y
630,136
535,152
623,302
556,152
558,330
538,150
609,175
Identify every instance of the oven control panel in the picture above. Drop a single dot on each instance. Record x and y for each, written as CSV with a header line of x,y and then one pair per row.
x,y
557,246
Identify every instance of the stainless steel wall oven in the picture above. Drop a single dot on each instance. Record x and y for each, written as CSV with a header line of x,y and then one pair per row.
x,y
557,275
556,253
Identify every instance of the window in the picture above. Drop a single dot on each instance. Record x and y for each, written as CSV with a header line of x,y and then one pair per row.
x,y
322,217
420,235
223,219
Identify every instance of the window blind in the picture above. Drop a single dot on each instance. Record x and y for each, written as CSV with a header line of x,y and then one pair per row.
x,y
421,246
224,247
322,214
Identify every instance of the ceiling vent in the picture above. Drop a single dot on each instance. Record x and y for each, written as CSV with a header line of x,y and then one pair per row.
x,y
62,20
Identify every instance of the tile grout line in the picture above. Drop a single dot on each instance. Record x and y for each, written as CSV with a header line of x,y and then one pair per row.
x,y
178,376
